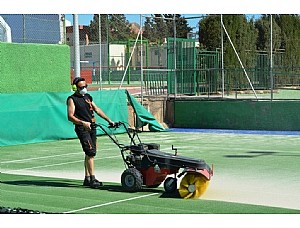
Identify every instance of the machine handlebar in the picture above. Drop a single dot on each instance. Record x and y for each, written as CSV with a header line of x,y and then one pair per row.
x,y
132,133
115,125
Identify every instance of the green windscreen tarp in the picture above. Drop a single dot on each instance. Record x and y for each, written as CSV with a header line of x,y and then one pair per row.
x,y
143,116
39,117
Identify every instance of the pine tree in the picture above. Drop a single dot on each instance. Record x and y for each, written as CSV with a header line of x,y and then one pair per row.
x,y
116,24
119,28
290,38
263,25
241,32
209,32
94,28
161,26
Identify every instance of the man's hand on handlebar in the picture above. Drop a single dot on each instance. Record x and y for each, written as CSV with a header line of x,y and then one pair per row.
x,y
114,124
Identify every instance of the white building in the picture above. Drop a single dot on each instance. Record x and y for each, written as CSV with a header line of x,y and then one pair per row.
x,y
90,56
5,31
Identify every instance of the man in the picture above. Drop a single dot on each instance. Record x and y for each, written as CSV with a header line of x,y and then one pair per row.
x,y
81,110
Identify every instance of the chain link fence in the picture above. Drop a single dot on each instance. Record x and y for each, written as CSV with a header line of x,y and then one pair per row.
x,y
35,28
190,70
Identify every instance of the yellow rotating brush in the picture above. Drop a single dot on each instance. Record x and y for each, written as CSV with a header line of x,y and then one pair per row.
x,y
193,185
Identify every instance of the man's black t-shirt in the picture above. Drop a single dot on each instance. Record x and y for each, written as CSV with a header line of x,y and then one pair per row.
x,y
83,107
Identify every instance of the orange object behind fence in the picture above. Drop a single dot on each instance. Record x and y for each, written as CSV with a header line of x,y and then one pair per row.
x,y
86,74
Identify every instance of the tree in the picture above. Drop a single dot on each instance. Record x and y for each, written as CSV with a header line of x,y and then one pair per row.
x,y
148,29
116,24
119,28
290,38
209,32
242,34
182,28
263,26
161,26
94,28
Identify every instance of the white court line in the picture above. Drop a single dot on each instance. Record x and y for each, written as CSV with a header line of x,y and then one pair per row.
x,y
57,164
109,203
37,158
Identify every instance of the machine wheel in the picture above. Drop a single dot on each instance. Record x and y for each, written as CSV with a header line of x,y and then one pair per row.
x,y
193,185
170,184
132,180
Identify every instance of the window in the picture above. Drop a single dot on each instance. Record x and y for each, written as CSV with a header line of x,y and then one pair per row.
x,y
88,55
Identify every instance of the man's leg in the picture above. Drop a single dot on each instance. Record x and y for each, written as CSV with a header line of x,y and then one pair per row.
x,y
89,165
88,142
90,176
90,179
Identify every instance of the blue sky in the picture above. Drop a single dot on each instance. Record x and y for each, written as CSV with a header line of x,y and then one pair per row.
x,y
84,19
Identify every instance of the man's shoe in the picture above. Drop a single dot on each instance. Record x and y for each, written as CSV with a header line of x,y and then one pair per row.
x,y
99,182
95,184
86,182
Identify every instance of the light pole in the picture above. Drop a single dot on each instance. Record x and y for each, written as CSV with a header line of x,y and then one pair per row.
x,y
100,53
76,46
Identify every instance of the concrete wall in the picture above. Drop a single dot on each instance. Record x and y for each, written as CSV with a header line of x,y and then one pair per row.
x,y
237,114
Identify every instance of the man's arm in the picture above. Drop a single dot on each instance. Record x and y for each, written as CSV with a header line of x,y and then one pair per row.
x,y
73,118
101,113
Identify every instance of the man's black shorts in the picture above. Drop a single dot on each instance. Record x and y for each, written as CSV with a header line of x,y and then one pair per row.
x,y
87,139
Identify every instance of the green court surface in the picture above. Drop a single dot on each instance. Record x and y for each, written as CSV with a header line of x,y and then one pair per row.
x,y
253,174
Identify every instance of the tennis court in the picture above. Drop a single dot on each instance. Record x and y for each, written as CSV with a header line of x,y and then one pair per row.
x,y
254,173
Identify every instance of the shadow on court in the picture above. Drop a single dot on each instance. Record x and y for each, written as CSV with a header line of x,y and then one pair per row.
x,y
118,188
251,154
71,184
254,154
42,183
171,195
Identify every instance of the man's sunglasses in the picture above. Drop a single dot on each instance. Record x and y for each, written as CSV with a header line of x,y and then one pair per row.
x,y
82,87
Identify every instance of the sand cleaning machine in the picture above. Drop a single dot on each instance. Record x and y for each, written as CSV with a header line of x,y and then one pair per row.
x,y
147,166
